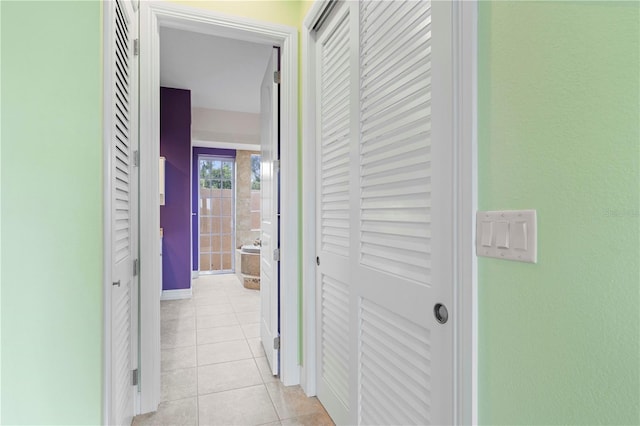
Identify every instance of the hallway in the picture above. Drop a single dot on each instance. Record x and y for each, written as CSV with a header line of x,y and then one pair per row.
x,y
214,371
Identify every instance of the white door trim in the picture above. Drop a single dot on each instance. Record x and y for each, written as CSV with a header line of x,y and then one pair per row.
x,y
156,14
465,65
465,180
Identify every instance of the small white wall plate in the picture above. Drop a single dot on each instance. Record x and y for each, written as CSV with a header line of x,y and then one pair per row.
x,y
507,234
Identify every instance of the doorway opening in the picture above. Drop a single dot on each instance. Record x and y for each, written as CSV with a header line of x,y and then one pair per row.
x,y
158,16
218,107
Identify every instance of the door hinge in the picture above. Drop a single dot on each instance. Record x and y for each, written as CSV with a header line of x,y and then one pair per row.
x,y
134,377
136,267
277,77
276,255
136,158
136,47
276,343
276,165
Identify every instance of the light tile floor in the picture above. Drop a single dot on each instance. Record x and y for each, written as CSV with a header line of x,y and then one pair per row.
x,y
214,370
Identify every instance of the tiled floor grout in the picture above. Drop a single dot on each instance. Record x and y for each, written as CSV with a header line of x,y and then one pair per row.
x,y
238,302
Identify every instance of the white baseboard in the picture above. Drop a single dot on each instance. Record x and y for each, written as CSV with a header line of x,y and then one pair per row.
x,y
183,293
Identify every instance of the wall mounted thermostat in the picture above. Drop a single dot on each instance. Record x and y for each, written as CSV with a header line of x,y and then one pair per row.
x,y
507,234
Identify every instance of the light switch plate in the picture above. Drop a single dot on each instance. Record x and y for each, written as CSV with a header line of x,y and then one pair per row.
x,y
507,234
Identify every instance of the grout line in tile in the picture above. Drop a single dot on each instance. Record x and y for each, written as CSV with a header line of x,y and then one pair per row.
x,y
273,404
230,289
234,389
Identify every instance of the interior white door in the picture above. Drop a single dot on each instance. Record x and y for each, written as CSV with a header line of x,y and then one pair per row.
x,y
334,109
124,212
385,208
269,218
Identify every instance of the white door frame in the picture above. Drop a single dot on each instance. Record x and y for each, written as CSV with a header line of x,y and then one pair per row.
x,y
464,177
152,16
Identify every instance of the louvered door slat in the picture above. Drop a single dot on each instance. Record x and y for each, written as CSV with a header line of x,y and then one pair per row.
x,y
395,366
393,22
335,337
386,126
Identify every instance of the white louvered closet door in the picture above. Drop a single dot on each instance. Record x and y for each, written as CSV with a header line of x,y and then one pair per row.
x,y
399,358
336,100
124,215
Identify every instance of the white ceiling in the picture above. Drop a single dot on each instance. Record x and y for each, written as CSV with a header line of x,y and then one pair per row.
x,y
221,73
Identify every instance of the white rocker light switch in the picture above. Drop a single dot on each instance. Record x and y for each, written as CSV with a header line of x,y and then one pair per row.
x,y
508,234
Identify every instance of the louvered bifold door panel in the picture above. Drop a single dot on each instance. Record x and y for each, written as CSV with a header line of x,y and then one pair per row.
x,y
335,141
395,384
334,317
395,155
335,137
123,210
395,282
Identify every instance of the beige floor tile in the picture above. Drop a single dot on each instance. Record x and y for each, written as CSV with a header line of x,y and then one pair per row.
x,y
243,296
248,317
179,384
177,358
265,370
208,290
246,307
315,419
219,334
214,353
233,284
172,309
171,339
290,401
255,344
227,375
220,309
181,412
240,296
210,300
178,324
251,330
209,321
178,303
245,300
246,406
223,318
220,277
240,291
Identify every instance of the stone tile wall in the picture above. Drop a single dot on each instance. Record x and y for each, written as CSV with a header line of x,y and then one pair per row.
x,y
244,234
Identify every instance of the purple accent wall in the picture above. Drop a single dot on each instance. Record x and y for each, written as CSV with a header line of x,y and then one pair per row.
x,y
229,153
175,215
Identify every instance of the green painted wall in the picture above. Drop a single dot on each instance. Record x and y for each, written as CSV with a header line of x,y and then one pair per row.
x,y
51,190
559,114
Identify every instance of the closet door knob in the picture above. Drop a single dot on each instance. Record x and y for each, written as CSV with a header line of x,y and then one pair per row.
x,y
441,313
